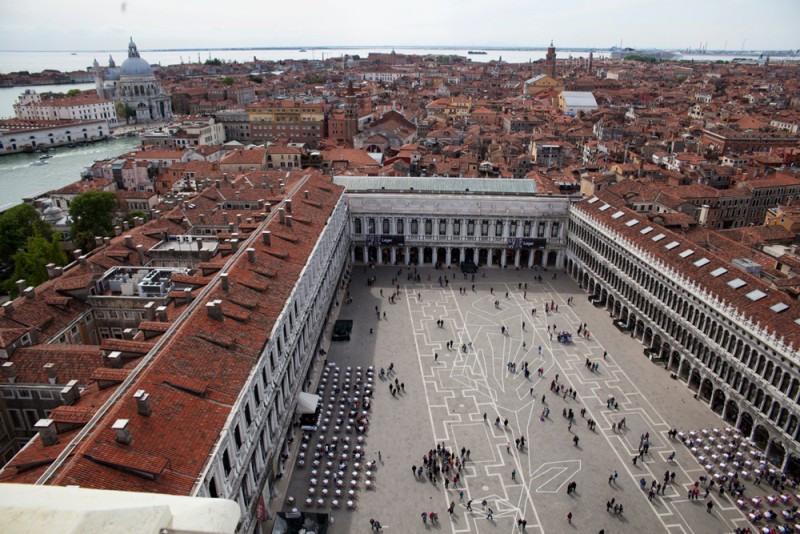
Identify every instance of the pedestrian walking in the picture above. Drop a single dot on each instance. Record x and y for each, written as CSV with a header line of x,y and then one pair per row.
x,y
469,505
709,506
569,518
513,474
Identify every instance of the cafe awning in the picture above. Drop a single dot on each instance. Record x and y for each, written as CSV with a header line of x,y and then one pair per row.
x,y
307,402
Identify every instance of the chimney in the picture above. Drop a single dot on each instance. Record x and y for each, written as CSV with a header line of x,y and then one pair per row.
x,y
142,402
251,255
128,333
150,311
51,270
11,373
129,241
47,431
59,271
265,238
703,218
288,205
29,292
70,393
115,359
230,228
21,285
77,253
225,176
226,285
187,294
225,217
238,219
50,369
120,427
288,220
202,218
82,259
161,313
306,193
281,216
106,241
140,252
118,231
98,241
214,309
261,203
8,307
138,221
126,226
216,184
268,205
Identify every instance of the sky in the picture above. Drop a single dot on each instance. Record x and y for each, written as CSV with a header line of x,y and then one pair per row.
x,y
72,25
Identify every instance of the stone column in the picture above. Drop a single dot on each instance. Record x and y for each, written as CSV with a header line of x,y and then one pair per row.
x,y
365,254
449,252
435,255
408,256
380,256
516,258
394,255
489,254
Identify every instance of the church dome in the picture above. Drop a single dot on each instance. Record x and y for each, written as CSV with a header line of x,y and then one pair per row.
x,y
135,66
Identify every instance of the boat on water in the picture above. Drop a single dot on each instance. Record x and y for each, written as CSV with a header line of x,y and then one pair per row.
x,y
303,50
45,156
476,52
39,162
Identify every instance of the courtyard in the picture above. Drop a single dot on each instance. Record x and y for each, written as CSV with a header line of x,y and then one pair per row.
x,y
445,397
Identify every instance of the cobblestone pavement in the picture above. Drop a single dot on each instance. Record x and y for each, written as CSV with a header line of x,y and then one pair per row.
x,y
446,397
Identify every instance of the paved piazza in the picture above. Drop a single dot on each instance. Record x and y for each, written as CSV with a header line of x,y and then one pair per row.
x,y
444,402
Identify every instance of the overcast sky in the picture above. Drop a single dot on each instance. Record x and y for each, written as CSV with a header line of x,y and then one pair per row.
x,y
106,24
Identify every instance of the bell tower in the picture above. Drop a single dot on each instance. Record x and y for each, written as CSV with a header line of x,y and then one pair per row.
x,y
550,61
350,114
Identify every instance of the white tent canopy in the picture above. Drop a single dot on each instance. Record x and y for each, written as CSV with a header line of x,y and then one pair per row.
x,y
307,402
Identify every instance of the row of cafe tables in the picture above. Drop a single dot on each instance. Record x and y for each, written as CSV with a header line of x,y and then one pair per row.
x,y
335,448
726,454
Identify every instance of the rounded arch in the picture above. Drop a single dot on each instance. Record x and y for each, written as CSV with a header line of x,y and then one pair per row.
x,y
718,401
761,437
776,453
746,424
731,413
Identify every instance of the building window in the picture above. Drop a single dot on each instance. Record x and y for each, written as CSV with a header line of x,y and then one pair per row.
x,y
385,225
498,229
457,227
526,229
414,227
428,226
513,231
485,228
370,226
442,226
554,229
400,226
540,230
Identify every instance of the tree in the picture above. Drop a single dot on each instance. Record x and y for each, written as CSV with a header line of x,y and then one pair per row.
x,y
30,262
226,80
73,92
91,214
124,111
216,62
16,226
131,215
255,78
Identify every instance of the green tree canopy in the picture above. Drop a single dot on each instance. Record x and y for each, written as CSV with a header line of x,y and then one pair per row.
x,y
226,80
16,226
73,92
92,214
30,262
